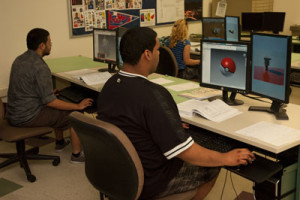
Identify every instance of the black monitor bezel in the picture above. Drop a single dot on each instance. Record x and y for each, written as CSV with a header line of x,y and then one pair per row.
x,y
248,70
239,27
204,18
275,22
116,43
288,70
260,28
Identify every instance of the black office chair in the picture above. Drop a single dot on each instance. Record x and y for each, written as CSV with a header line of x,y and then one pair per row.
x,y
18,135
167,62
112,164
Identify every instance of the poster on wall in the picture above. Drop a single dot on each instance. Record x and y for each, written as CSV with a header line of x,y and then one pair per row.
x,y
109,4
193,10
110,14
100,19
89,20
117,19
169,10
77,17
100,5
147,17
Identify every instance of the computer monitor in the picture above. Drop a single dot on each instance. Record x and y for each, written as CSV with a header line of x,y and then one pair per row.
x,y
273,21
105,47
213,28
225,66
232,28
121,32
252,21
271,64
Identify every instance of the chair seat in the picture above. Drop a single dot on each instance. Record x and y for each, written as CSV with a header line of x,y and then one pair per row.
x,y
8,132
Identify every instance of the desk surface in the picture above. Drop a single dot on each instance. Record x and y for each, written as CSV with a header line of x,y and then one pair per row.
x,y
59,66
226,128
247,118
65,64
295,56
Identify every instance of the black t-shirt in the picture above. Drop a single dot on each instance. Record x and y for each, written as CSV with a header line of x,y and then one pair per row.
x,y
148,115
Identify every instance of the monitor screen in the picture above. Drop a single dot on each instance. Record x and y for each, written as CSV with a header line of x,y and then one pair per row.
x,y
121,31
105,45
271,62
213,28
232,28
273,21
225,65
270,58
252,21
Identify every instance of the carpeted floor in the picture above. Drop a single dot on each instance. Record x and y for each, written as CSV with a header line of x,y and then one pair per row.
x,y
68,181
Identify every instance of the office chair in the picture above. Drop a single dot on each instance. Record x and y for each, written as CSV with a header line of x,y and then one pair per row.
x,y
18,135
112,164
167,62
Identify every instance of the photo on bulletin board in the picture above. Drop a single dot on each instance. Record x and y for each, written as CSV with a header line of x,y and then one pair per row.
x,y
193,10
168,11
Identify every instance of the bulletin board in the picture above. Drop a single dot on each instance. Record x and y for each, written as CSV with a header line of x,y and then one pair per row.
x,y
111,14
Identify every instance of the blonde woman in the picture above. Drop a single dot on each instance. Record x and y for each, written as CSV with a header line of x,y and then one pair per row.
x,y
180,46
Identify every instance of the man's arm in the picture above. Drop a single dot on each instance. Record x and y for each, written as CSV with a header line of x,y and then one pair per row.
x,y
62,105
198,155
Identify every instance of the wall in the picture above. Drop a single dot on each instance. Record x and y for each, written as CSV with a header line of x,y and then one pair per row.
x,y
292,9
18,17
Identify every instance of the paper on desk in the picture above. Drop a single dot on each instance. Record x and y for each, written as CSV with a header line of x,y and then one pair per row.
x,y
271,133
200,94
216,110
295,63
197,44
95,78
183,86
161,81
77,73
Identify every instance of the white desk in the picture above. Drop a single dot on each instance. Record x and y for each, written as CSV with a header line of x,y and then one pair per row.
x,y
66,76
229,127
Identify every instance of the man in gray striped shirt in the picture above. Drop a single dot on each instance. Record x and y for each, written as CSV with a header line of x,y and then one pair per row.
x,y
31,99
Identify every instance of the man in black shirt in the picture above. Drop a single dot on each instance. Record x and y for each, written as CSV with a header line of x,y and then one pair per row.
x,y
148,115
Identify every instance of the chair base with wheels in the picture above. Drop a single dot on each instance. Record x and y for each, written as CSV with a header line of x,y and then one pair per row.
x,y
21,155
18,135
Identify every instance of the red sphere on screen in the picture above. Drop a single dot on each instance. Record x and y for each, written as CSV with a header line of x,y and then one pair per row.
x,y
227,66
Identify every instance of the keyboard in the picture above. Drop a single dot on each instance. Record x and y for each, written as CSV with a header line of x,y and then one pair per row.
x,y
76,94
213,141
260,170
72,94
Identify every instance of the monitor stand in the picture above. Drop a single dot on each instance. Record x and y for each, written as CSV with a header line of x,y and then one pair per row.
x,y
112,68
230,101
275,108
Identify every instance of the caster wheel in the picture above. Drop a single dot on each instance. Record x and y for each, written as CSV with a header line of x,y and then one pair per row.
x,y
56,162
31,178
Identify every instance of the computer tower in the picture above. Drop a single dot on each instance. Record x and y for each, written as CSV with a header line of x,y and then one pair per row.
x,y
267,190
280,186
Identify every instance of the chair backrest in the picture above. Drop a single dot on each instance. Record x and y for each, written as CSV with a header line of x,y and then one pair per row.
x,y
1,111
112,164
167,62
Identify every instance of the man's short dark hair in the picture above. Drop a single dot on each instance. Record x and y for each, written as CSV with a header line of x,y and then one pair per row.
x,y
35,37
134,42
